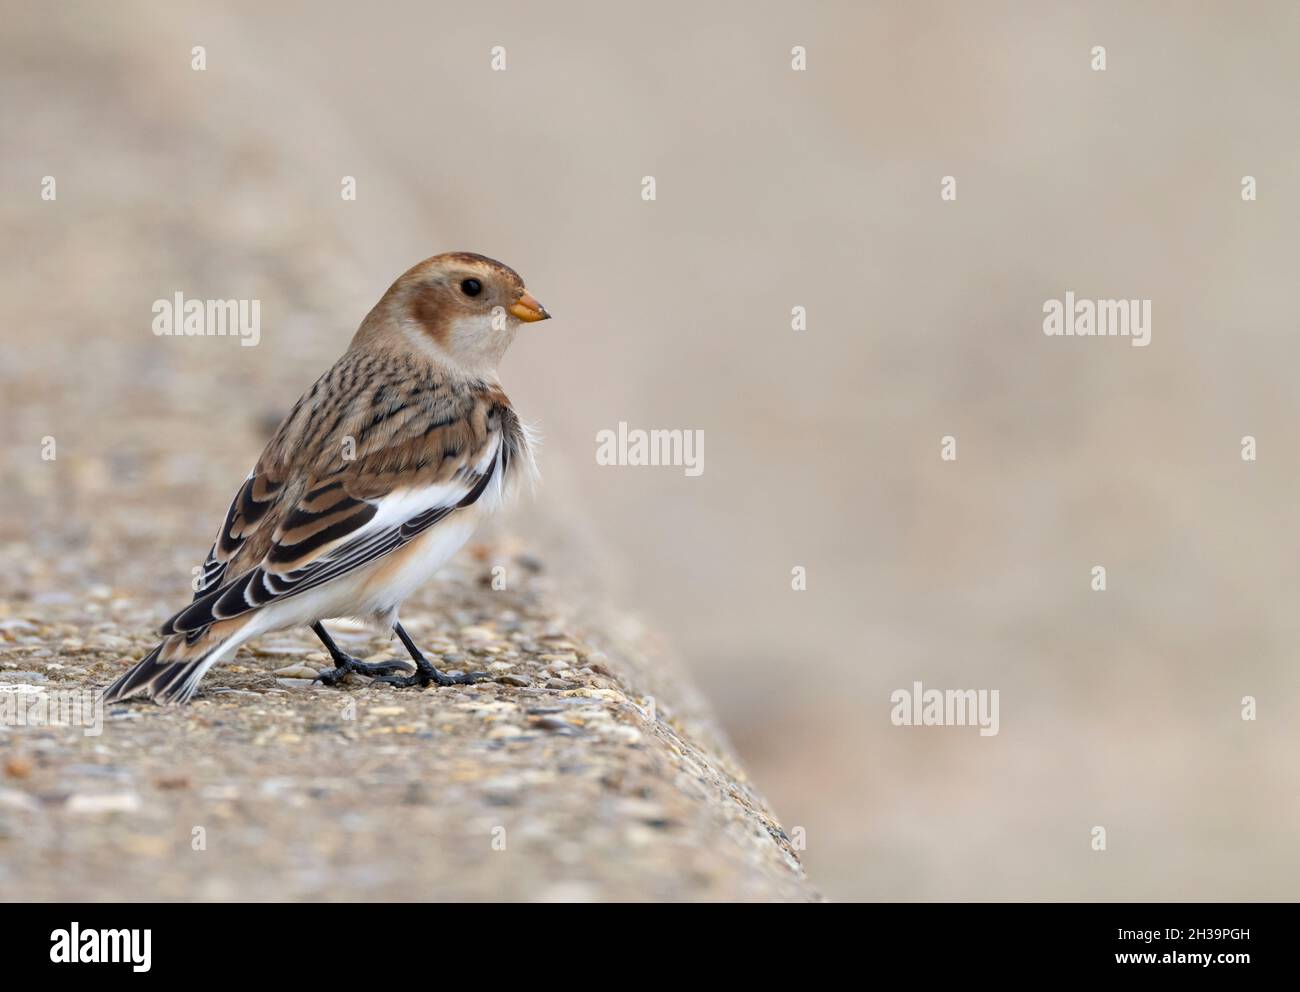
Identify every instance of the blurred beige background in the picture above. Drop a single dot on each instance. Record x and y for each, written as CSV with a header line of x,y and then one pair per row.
x,y
775,188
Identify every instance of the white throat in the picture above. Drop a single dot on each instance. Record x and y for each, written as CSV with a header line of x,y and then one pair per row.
x,y
474,345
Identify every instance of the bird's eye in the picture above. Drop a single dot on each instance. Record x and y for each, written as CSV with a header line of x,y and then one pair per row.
x,y
471,287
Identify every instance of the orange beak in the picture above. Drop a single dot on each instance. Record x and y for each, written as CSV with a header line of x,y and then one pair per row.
x,y
528,309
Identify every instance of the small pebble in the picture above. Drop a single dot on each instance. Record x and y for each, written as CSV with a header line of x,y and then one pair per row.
x,y
13,799
555,725
298,671
278,650
27,676
626,735
18,767
122,802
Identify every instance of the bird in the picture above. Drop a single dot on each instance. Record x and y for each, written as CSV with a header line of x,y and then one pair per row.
x,y
375,478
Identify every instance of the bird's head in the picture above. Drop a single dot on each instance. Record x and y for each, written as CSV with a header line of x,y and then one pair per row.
x,y
460,308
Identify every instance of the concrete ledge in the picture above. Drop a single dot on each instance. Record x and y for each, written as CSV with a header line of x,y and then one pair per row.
x,y
589,771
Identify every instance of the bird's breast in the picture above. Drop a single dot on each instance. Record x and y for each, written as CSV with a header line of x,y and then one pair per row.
x,y
404,570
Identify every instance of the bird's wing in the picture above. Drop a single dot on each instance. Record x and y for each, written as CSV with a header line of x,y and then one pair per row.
x,y
247,512
346,480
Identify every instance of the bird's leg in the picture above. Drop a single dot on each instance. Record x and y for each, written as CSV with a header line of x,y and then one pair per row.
x,y
346,663
425,673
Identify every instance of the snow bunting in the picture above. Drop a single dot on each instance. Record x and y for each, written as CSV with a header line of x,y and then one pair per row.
x,y
376,477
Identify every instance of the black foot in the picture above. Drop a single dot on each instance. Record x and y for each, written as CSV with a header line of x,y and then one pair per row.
x,y
426,674
347,664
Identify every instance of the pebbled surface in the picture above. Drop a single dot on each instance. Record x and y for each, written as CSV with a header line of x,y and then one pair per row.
x,y
582,772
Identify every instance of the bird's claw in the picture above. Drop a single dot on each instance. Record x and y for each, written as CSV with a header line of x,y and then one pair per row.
x,y
334,676
431,676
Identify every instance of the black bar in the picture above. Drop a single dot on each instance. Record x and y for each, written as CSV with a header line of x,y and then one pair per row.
x,y
337,942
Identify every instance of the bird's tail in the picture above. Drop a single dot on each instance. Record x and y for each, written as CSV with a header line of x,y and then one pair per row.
x,y
171,672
